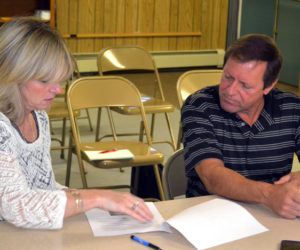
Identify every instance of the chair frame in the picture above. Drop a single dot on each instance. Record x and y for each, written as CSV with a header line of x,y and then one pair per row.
x,y
192,81
82,95
63,114
174,187
161,106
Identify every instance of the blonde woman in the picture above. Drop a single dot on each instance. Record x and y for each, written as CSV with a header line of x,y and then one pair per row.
x,y
33,61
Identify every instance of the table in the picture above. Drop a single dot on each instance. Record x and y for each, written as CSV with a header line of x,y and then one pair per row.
x,y
77,234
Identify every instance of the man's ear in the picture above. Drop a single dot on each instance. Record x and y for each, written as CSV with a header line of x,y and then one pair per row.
x,y
268,89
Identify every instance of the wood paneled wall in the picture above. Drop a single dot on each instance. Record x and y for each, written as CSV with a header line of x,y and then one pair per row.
x,y
157,25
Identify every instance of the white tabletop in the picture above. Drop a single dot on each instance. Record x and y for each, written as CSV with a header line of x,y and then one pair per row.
x,y
77,234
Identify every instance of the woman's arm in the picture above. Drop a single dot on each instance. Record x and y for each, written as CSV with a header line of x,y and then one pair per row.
x,y
46,209
25,207
79,201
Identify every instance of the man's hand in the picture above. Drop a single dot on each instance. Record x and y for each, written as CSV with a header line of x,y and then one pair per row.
x,y
284,199
295,176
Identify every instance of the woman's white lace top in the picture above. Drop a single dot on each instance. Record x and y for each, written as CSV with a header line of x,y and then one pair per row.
x,y
29,196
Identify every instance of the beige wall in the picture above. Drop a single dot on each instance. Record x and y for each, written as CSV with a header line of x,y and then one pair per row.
x,y
184,24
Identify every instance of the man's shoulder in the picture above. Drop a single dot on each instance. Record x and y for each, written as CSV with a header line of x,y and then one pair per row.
x,y
280,94
280,102
207,94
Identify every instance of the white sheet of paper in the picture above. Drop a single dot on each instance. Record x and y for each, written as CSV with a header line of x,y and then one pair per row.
x,y
105,224
121,154
215,222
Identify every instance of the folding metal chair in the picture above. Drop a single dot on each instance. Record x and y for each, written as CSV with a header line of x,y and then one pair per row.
x,y
137,65
102,92
191,81
173,176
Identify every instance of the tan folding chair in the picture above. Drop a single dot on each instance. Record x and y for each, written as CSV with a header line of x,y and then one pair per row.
x,y
173,176
137,65
191,81
102,92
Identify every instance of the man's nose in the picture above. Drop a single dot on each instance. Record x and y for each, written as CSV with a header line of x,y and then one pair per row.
x,y
232,88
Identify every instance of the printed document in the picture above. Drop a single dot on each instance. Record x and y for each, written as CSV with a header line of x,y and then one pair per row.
x,y
208,224
109,224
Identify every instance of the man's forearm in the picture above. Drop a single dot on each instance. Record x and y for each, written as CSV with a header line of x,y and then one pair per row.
x,y
226,182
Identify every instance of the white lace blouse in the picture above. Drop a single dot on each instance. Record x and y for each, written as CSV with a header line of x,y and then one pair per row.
x,y
29,196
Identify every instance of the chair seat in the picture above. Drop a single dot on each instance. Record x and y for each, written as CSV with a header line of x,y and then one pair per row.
x,y
151,105
143,154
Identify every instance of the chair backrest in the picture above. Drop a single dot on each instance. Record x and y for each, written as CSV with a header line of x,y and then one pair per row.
x,y
104,91
127,59
173,176
191,81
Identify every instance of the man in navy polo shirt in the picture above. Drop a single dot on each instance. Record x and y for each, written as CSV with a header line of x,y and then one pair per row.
x,y
240,136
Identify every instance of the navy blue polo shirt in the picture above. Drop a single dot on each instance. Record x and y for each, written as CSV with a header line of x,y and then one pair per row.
x,y
263,152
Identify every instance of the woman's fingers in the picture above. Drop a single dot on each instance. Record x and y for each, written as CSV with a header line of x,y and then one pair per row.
x,y
125,203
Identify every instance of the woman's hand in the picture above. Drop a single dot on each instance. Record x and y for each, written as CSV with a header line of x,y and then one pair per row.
x,y
125,203
107,200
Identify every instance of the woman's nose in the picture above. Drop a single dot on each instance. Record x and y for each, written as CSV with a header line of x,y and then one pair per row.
x,y
56,88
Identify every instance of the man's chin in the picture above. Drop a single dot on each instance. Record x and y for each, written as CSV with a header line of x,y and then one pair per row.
x,y
229,108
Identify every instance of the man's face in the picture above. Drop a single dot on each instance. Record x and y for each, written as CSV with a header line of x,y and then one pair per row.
x,y
241,89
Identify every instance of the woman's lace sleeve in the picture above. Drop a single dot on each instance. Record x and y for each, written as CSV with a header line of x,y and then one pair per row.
x,y
24,207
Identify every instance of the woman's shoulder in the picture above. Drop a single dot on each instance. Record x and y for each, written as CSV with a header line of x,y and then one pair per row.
x,y
5,124
4,119
7,138
42,117
41,114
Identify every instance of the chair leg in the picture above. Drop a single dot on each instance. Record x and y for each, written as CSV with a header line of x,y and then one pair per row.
x,y
159,183
84,167
142,128
171,131
112,124
113,129
89,119
82,171
179,139
51,128
152,125
173,141
98,125
63,138
69,162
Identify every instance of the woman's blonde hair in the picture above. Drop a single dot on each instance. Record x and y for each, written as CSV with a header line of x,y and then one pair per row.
x,y
29,50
